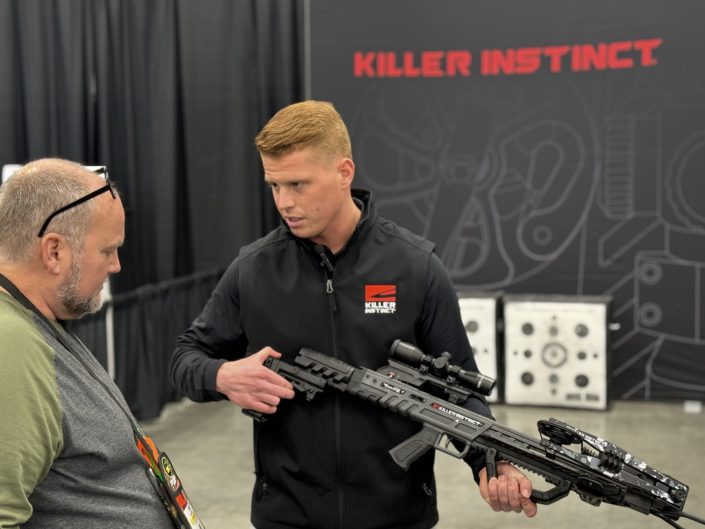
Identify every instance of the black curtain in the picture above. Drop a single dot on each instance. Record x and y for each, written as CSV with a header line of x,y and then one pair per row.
x,y
147,322
169,95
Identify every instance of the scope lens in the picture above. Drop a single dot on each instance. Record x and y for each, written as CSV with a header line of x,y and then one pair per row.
x,y
406,352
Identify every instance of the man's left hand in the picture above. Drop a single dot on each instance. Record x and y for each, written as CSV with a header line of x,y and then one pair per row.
x,y
510,491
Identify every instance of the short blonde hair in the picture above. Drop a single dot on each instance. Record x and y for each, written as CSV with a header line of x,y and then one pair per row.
x,y
33,193
306,124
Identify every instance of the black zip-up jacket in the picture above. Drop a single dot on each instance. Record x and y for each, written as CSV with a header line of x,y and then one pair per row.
x,y
325,464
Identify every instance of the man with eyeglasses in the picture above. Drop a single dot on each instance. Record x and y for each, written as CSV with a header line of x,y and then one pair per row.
x,y
68,456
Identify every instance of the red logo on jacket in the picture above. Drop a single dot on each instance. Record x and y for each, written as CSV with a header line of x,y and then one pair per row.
x,y
380,299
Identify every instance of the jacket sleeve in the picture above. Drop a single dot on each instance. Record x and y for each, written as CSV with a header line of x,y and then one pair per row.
x,y
30,428
215,337
441,329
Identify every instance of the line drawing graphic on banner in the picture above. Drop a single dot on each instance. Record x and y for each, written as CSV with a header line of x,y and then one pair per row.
x,y
566,180
489,198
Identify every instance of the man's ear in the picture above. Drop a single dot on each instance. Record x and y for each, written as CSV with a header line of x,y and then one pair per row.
x,y
55,253
346,170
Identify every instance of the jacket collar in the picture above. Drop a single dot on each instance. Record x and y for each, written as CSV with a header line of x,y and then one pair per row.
x,y
363,199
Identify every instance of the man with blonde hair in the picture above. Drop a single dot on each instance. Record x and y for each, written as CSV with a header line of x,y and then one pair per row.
x,y
309,282
69,458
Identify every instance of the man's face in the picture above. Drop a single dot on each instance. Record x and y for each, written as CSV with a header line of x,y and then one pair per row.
x,y
310,190
80,292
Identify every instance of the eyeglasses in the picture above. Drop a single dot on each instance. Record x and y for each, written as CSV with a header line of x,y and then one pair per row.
x,y
109,186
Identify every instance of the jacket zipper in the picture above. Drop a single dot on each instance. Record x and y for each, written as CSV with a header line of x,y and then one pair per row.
x,y
330,291
329,274
331,300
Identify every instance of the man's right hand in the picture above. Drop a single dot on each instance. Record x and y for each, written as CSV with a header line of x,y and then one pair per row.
x,y
252,386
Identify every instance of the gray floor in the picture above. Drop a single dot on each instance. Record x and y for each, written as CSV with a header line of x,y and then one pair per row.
x,y
210,446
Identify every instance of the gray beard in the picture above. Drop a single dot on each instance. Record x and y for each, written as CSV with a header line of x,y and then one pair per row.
x,y
77,306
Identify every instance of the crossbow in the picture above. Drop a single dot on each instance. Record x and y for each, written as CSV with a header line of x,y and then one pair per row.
x,y
431,391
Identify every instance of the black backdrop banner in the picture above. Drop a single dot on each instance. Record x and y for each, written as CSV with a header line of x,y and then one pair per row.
x,y
545,147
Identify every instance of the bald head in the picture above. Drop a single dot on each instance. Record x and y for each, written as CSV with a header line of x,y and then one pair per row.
x,y
32,194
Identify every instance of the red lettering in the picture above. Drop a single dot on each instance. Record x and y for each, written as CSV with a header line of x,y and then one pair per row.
x,y
428,64
587,57
511,61
555,55
495,62
362,64
393,69
410,69
431,63
458,62
528,60
486,63
381,65
613,57
646,47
